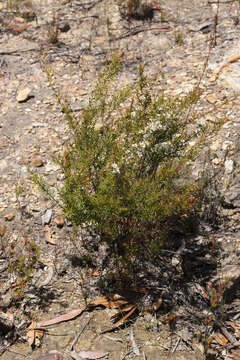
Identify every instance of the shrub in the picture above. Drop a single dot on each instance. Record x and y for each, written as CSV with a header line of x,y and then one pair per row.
x,y
17,5
125,163
53,31
21,257
136,9
179,38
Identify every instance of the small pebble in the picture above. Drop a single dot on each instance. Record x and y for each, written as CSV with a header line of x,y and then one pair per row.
x,y
229,166
47,217
59,221
9,217
3,229
37,161
64,27
24,95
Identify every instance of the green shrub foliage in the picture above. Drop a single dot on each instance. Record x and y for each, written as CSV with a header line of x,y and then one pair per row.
x,y
126,164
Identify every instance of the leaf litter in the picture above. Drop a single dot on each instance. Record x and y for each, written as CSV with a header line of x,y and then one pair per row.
x,y
116,301
112,302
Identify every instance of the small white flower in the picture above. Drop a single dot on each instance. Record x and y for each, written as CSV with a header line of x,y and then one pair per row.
x,y
115,168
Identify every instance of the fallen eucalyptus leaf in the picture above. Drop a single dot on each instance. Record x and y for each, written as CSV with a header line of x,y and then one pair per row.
x,y
54,355
113,302
122,320
220,338
88,355
65,317
31,334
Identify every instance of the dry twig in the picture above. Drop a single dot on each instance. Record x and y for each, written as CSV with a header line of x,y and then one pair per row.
x,y
79,334
139,29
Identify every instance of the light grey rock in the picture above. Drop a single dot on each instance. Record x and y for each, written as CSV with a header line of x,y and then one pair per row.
x,y
24,95
47,217
175,261
47,277
204,27
232,197
3,164
229,166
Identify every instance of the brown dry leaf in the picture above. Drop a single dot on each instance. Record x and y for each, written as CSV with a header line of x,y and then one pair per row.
x,y
221,340
19,20
126,308
231,60
204,293
9,216
234,326
59,220
15,28
156,6
65,317
48,235
171,319
113,302
157,304
31,334
96,273
3,229
38,337
100,301
121,321
34,336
